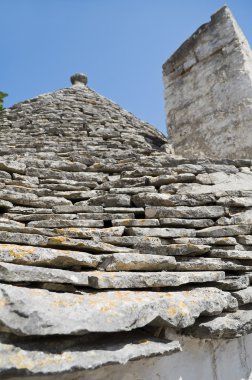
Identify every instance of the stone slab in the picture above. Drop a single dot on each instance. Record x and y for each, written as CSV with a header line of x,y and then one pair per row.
x,y
57,356
197,212
25,311
38,256
226,326
125,280
160,232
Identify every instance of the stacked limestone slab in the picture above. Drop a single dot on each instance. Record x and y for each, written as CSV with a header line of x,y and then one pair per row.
x,y
106,237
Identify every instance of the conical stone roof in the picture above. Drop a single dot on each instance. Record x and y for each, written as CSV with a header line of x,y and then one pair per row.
x,y
106,237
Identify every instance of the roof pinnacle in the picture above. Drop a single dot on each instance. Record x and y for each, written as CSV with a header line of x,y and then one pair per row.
x,y
79,79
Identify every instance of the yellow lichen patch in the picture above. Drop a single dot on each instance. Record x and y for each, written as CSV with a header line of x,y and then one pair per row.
x,y
143,341
20,360
172,311
58,240
2,302
55,359
18,251
183,307
108,307
141,221
61,303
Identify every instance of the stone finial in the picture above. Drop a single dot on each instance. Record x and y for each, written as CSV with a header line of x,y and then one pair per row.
x,y
79,78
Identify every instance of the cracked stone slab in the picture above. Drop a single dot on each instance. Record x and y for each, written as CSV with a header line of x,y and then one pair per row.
x,y
174,249
191,223
76,232
205,263
226,326
243,296
136,222
245,239
160,232
61,223
235,201
231,254
137,261
12,166
163,199
57,356
25,273
77,209
90,245
27,255
197,212
242,218
226,240
234,283
125,280
25,311
221,231
103,280
22,238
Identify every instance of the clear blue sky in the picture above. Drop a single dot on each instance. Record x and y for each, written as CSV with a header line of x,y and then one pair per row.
x,y
120,44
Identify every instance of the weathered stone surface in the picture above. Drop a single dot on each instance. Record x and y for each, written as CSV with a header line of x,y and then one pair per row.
x,y
12,166
89,233
235,201
116,210
233,283
90,245
243,296
152,199
231,254
24,273
132,241
112,160
160,232
53,356
190,223
123,280
133,190
174,249
246,239
222,185
5,205
20,254
135,262
167,179
106,216
221,105
204,263
220,231
78,195
61,223
113,200
184,212
38,217
226,326
207,240
136,222
77,209
22,238
48,313
239,218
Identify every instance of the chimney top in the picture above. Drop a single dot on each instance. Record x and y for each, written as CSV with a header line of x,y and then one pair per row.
x,y
79,78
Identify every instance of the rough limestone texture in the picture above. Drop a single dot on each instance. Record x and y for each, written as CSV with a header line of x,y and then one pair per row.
x,y
208,91
108,239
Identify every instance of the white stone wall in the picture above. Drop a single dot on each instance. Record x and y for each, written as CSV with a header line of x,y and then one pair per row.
x,y
200,360
208,92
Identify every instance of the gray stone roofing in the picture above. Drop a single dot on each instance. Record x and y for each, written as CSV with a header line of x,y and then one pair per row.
x,y
104,232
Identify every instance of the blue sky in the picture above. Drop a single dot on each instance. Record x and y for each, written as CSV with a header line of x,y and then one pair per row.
x,y
120,44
